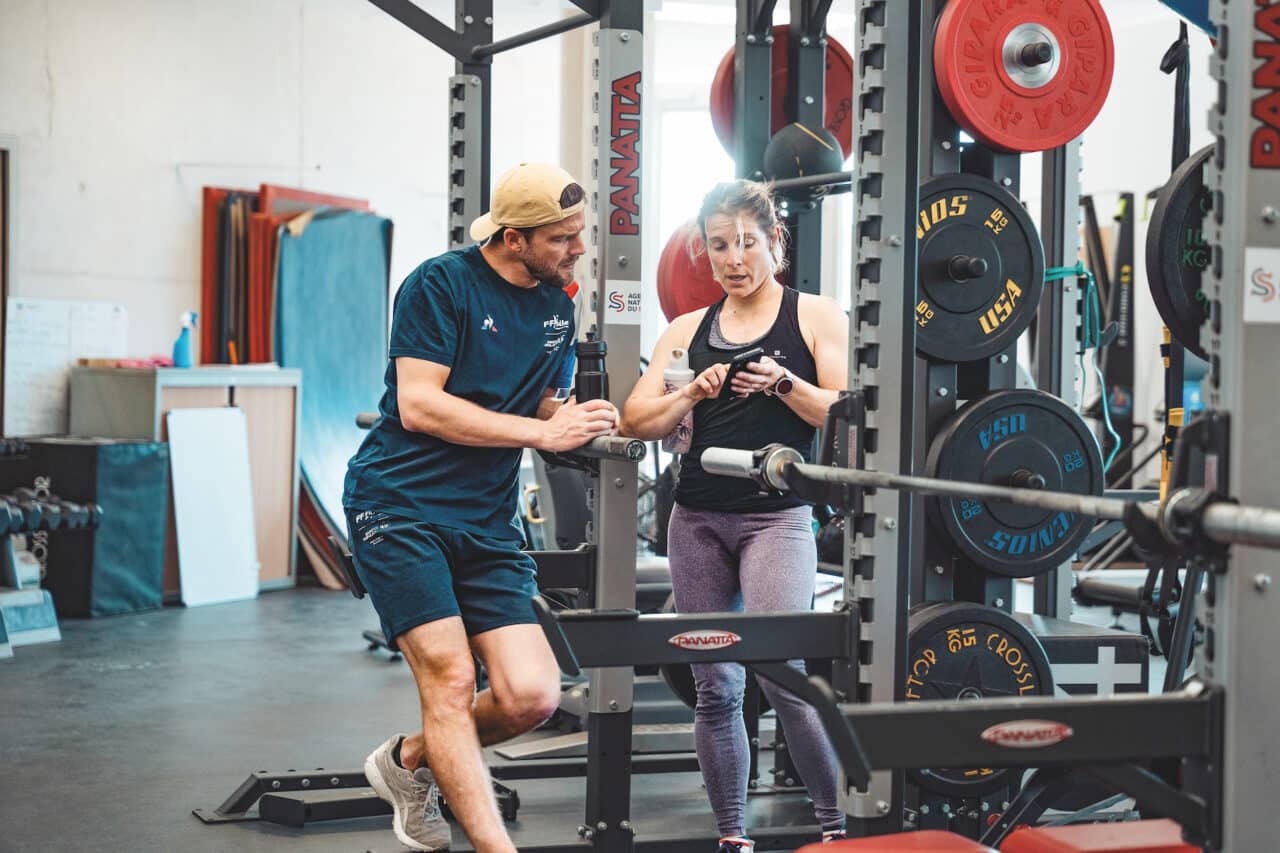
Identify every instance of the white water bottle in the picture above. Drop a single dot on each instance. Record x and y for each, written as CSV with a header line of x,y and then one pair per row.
x,y
676,376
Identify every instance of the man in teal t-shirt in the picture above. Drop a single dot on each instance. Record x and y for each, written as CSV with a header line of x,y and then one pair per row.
x,y
480,363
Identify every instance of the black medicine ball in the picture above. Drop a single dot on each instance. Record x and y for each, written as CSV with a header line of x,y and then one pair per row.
x,y
799,150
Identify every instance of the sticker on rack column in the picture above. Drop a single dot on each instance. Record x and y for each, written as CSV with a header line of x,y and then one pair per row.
x,y
1262,285
622,303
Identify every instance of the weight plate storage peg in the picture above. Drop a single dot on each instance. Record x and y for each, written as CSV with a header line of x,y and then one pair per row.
x,y
957,650
1177,253
1022,438
1023,76
981,269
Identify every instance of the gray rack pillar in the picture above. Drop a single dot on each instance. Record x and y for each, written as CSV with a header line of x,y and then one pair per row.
x,y
613,295
1242,614
882,359
806,103
752,86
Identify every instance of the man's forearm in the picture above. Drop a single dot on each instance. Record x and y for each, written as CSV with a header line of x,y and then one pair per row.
x,y
460,421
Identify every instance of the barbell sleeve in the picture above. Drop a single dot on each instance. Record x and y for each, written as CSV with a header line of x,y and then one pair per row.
x,y
1242,525
614,447
729,463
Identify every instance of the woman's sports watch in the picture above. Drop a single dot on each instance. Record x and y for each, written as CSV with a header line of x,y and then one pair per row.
x,y
784,386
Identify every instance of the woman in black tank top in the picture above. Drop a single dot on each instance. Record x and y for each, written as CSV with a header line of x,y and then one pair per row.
x,y
731,547
749,421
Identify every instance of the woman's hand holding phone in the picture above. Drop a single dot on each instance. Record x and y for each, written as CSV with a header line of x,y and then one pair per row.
x,y
707,383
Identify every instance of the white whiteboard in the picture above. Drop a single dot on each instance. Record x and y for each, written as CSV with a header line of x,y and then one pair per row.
x,y
43,338
213,505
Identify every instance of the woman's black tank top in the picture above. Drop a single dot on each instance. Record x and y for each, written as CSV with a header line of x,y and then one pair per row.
x,y
745,424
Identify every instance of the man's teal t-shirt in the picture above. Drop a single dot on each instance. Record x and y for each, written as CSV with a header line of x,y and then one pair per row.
x,y
505,345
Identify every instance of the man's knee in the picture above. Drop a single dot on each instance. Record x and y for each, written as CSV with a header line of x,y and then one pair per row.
x,y
451,689
529,703
444,671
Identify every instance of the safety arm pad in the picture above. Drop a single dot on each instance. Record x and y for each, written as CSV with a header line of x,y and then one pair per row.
x,y
818,693
559,643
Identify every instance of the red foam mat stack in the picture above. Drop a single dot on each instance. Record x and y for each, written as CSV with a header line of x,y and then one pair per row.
x,y
240,233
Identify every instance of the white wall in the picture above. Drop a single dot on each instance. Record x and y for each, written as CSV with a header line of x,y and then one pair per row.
x,y
124,109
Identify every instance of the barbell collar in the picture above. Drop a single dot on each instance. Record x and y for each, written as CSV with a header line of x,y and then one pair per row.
x,y
767,466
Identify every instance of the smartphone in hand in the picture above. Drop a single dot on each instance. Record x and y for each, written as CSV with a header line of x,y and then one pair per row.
x,y
739,361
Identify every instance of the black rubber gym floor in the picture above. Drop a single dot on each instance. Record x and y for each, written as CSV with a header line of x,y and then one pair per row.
x,y
109,738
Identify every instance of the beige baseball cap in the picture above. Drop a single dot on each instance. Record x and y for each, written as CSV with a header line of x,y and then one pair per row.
x,y
527,196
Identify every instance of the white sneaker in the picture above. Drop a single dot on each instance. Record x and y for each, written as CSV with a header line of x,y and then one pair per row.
x,y
414,799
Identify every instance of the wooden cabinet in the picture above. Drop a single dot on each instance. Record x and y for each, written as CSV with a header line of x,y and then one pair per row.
x,y
132,403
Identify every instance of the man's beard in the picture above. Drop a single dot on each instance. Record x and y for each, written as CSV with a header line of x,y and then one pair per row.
x,y
548,273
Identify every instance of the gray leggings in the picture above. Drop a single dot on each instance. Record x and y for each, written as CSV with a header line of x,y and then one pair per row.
x,y
758,562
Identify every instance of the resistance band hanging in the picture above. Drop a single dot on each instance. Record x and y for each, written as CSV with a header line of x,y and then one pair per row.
x,y
1090,339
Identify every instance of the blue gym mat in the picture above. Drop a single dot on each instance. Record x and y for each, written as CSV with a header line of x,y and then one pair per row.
x,y
331,321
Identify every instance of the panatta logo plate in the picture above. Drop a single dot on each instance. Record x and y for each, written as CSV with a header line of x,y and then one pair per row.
x,y
705,640
1027,734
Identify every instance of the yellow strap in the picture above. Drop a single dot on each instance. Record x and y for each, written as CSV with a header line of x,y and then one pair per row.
x,y
1166,461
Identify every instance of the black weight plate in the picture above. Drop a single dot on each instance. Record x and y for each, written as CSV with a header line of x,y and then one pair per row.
x,y
981,269
957,650
1024,438
1177,253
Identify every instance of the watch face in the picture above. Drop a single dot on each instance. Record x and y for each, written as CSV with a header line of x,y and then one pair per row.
x,y
783,386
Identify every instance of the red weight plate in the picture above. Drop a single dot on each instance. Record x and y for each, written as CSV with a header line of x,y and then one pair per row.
x,y
919,841
1009,104
839,92
684,284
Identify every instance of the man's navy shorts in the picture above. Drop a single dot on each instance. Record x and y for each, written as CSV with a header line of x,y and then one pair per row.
x,y
417,573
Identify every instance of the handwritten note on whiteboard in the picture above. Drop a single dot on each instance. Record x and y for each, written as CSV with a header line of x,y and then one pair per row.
x,y
43,339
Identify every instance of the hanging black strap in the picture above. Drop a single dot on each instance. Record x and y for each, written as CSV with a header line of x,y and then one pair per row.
x,y
1177,61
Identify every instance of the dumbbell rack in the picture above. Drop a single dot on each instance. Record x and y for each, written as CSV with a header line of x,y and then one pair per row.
x,y
26,611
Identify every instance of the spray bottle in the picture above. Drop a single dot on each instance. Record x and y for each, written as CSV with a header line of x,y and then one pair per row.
x,y
676,376
182,346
